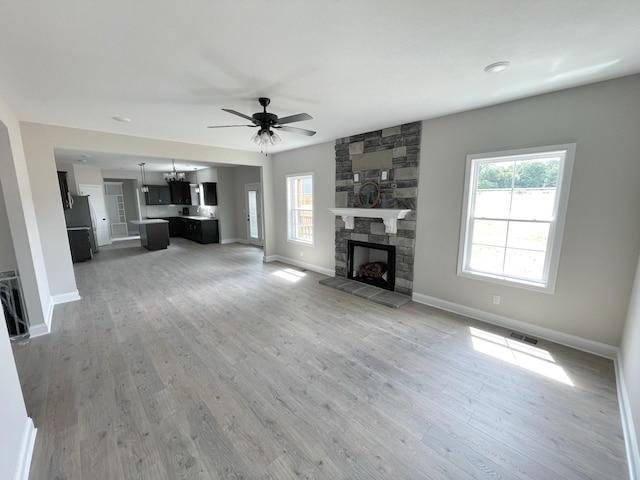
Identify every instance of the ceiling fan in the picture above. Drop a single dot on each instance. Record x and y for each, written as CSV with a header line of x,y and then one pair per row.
x,y
267,122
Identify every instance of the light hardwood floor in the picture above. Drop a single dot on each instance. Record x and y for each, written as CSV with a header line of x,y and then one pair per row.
x,y
202,362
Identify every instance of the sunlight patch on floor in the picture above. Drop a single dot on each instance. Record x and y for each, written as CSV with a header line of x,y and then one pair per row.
x,y
290,274
526,356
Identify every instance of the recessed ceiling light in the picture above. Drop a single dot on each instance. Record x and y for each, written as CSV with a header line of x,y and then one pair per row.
x,y
497,67
122,119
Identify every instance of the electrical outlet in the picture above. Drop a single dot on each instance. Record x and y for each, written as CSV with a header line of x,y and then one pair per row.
x,y
356,177
496,299
384,175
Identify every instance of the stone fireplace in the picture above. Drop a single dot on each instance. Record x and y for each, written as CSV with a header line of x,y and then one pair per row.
x,y
390,159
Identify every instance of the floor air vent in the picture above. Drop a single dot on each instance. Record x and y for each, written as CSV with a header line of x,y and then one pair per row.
x,y
523,338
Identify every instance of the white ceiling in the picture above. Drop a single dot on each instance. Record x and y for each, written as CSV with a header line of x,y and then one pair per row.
x,y
354,65
117,161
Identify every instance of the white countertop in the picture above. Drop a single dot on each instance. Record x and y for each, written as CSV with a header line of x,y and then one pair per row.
x,y
148,221
198,217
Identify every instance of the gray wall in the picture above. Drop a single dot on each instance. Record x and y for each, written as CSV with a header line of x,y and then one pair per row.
x,y
242,176
602,233
226,204
319,159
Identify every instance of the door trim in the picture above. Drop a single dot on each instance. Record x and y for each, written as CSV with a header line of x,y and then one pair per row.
x,y
251,240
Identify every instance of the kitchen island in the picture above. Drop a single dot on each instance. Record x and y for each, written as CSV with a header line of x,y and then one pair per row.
x,y
199,228
154,233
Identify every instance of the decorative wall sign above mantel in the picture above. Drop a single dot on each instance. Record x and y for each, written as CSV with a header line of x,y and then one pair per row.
x,y
369,194
389,216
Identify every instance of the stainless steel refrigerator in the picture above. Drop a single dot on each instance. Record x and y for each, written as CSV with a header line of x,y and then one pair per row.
x,y
81,215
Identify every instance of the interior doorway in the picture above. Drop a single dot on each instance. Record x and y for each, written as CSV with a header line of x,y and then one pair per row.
x,y
253,201
99,211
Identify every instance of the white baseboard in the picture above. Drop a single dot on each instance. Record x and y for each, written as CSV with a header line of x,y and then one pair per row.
x,y
43,328
579,343
66,297
308,266
39,330
630,439
26,451
233,240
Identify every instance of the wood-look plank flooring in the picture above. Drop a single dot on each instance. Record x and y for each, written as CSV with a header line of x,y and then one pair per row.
x,y
202,362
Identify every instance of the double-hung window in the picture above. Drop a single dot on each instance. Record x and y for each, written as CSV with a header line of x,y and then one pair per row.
x,y
513,215
300,208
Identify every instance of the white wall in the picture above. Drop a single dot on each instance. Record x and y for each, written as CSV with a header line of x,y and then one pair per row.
x,y
8,259
86,175
602,234
629,367
23,229
321,160
20,229
17,427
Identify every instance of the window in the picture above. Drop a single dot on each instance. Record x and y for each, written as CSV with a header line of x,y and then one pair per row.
x,y
300,208
513,217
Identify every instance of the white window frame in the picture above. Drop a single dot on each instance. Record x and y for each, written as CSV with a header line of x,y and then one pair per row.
x,y
554,243
291,234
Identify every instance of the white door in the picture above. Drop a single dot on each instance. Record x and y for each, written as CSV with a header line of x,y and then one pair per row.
x,y
96,202
253,200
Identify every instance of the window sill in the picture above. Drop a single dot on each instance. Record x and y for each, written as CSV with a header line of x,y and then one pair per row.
x,y
549,288
301,242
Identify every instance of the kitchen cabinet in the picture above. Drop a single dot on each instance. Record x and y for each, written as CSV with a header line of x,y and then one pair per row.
x,y
64,190
201,231
176,226
158,195
180,193
154,233
79,244
210,193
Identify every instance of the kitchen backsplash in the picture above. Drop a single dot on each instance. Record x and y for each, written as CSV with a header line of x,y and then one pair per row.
x,y
155,211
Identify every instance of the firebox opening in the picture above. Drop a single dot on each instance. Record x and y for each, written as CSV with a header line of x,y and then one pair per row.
x,y
372,263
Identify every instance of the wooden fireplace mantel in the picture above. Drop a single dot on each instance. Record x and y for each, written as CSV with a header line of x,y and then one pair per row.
x,y
389,216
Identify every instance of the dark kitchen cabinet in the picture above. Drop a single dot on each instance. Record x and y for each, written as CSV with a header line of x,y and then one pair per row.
x,y
158,195
176,226
210,193
201,231
180,193
79,244
154,236
64,190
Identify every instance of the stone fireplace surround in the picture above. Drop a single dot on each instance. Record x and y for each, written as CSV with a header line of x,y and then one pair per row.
x,y
397,151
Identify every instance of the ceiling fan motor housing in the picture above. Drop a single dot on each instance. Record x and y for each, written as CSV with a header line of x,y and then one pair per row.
x,y
265,119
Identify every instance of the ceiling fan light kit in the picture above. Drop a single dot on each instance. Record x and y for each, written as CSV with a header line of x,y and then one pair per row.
x,y
267,122
266,137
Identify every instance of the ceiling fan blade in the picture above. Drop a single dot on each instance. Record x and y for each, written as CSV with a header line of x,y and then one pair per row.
x,y
294,118
225,126
297,130
239,114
